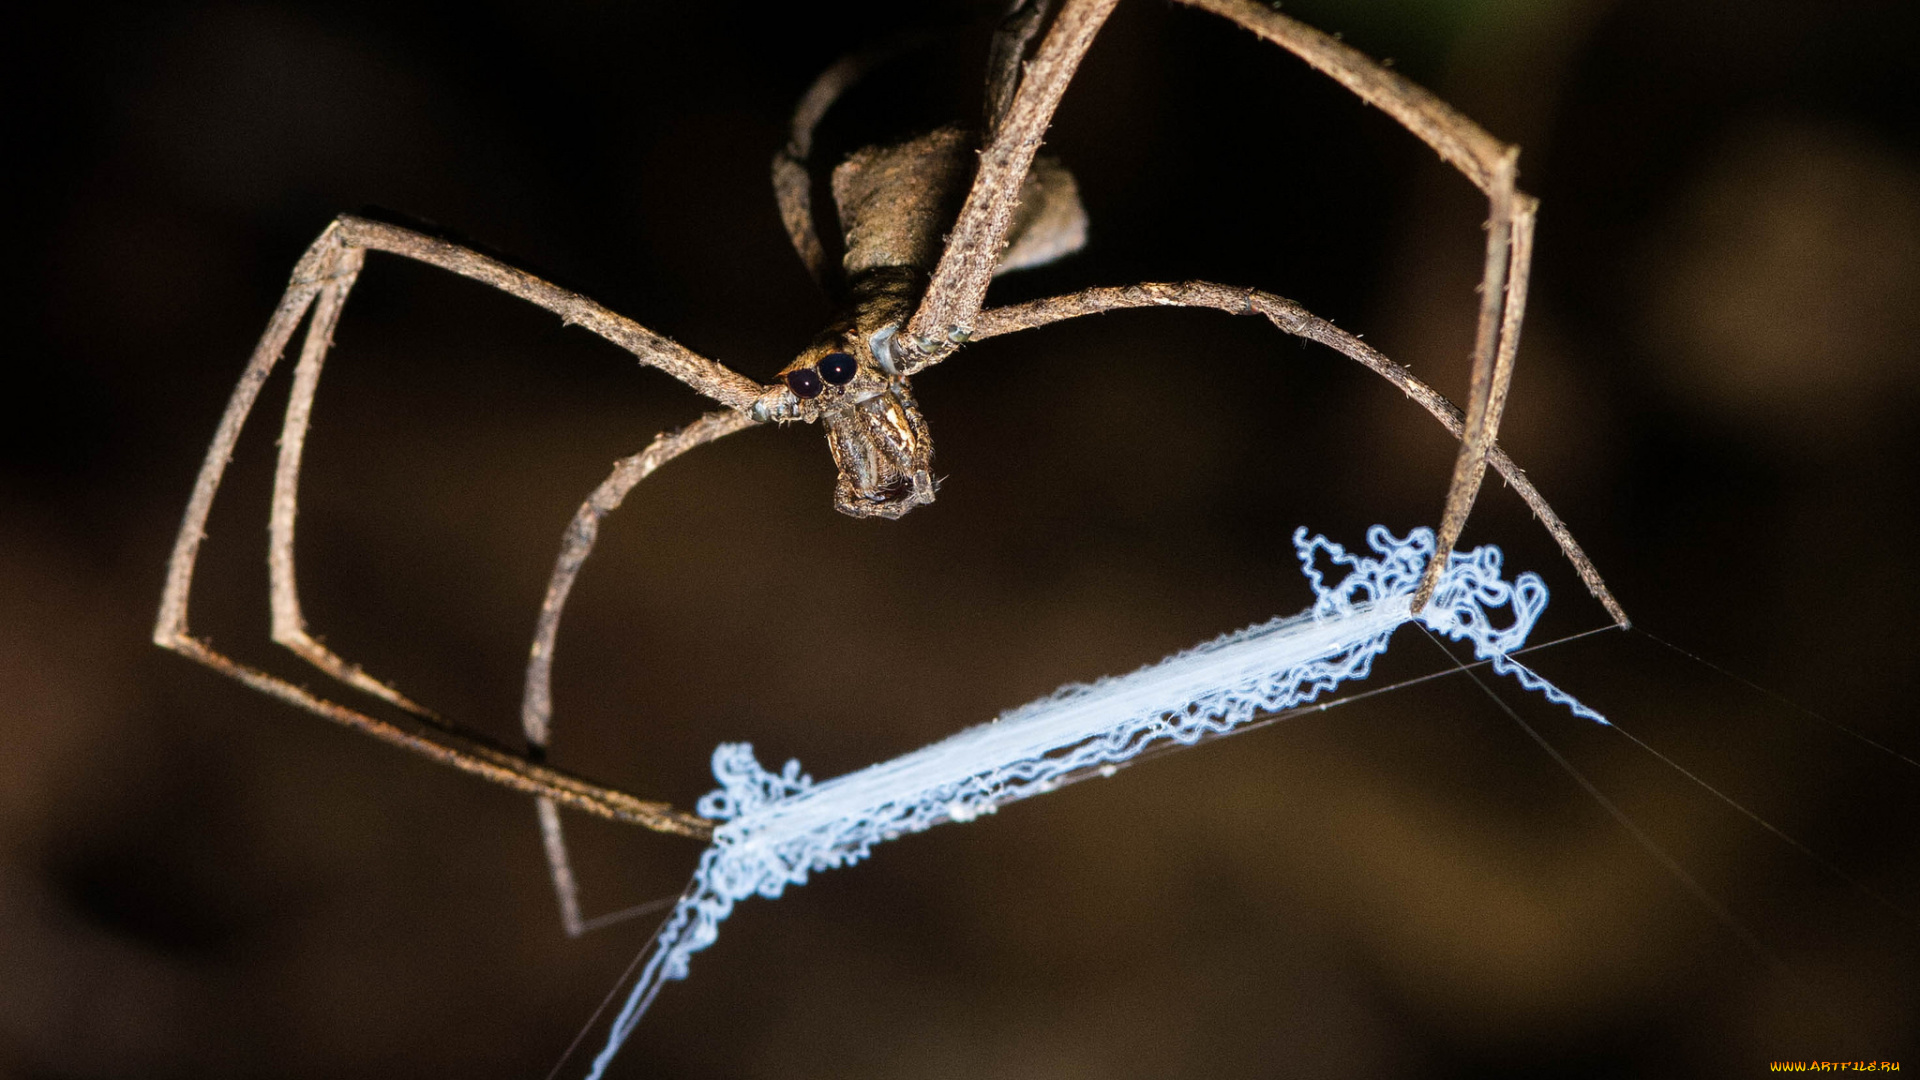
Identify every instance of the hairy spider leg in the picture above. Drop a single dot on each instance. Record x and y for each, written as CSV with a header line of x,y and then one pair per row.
x,y
320,283
944,319
536,702
1293,319
951,307
1491,166
289,626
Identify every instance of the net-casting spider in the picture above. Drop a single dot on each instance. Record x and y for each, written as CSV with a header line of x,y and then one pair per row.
x,y
910,290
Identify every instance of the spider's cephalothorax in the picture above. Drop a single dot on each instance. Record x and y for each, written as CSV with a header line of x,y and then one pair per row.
x,y
895,203
878,438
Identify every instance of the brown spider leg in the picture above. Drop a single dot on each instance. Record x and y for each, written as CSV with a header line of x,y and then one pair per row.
x,y
328,270
1489,164
1525,210
715,380
1296,320
793,180
289,625
945,317
1009,48
536,702
1487,393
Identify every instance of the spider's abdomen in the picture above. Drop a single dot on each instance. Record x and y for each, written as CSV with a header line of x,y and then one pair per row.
x,y
897,202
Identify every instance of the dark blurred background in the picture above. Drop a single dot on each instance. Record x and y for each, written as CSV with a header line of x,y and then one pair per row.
x,y
1716,389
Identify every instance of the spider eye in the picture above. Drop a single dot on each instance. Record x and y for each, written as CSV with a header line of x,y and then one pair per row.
x,y
805,382
838,368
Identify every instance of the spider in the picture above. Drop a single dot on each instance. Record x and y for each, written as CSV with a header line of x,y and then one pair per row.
x,y
926,225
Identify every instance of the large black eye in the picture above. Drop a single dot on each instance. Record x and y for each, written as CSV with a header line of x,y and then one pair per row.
x,y
805,382
838,368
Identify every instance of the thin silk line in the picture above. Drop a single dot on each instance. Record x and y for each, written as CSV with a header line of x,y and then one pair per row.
x,y
613,991
779,828
601,922
1777,696
1744,811
1763,823
1719,911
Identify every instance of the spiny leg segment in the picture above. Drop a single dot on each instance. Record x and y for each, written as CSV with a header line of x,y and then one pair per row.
x,y
1298,321
536,703
944,320
1491,166
320,283
948,315
289,624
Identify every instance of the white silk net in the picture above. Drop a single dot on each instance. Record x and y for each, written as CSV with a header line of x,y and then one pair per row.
x,y
777,828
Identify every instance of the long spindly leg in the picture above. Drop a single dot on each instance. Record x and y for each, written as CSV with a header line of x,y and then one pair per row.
x,y
715,380
792,176
947,314
1296,320
289,625
793,181
1487,393
536,703
321,280
1490,165
945,317
1007,53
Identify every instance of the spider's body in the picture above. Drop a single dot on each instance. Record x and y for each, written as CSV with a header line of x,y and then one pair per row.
x,y
894,204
